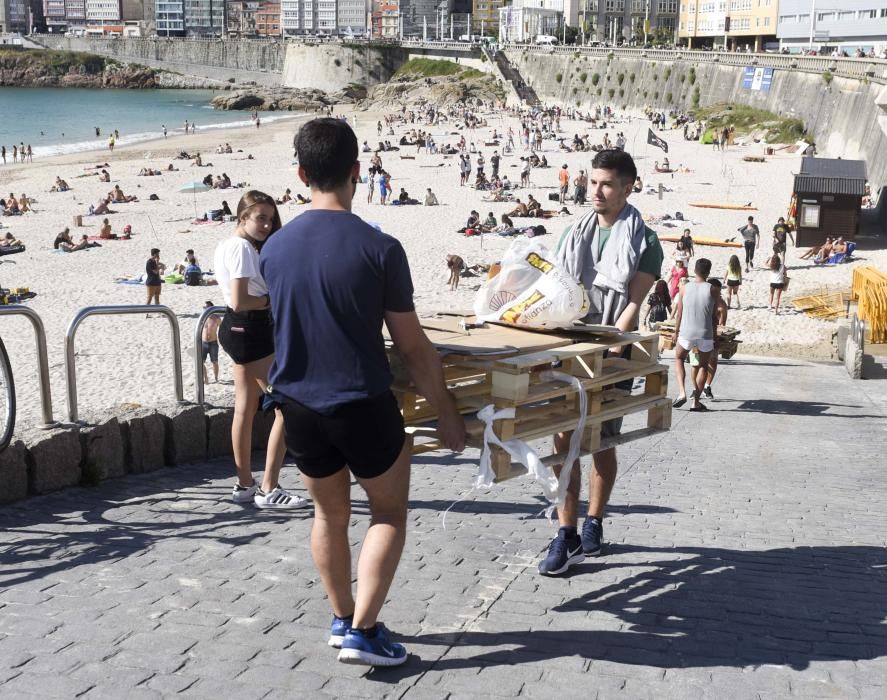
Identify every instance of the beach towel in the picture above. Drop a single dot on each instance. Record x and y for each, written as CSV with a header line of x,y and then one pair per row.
x,y
99,238
11,249
605,273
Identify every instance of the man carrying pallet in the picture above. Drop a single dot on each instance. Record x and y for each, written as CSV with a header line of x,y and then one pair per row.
x,y
618,259
333,279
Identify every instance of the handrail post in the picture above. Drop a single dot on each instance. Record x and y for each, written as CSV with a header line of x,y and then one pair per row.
x,y
42,360
198,351
86,312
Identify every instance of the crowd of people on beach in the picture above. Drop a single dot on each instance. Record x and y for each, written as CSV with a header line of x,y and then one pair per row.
x,y
17,153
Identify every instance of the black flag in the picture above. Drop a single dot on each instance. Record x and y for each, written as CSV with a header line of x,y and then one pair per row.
x,y
654,140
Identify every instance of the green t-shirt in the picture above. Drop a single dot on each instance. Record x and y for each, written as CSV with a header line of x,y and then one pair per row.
x,y
651,258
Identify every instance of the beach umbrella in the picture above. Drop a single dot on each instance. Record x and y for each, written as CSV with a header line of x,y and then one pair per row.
x,y
194,188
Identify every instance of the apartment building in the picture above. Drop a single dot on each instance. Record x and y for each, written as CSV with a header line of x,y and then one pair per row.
x,y
523,20
847,26
737,24
624,20
485,17
241,19
101,12
268,19
169,17
14,16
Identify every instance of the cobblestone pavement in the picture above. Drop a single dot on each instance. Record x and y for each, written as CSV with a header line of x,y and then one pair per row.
x,y
746,560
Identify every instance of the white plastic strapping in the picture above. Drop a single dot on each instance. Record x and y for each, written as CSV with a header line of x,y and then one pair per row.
x,y
554,489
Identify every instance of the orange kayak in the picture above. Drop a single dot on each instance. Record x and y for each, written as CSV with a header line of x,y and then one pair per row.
x,y
674,238
724,205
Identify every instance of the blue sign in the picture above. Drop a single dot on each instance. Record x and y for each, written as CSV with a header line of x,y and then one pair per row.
x,y
758,79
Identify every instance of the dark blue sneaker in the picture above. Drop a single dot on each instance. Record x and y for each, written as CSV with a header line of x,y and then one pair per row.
x,y
564,551
357,648
592,534
338,629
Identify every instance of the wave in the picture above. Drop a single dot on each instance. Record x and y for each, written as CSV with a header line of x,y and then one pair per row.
x,y
129,139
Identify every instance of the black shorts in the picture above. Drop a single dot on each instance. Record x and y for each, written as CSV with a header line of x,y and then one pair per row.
x,y
366,436
777,285
734,283
211,350
247,336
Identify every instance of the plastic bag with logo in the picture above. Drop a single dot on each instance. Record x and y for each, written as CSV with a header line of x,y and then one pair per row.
x,y
531,291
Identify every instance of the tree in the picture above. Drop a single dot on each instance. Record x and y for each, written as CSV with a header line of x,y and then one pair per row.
x,y
571,35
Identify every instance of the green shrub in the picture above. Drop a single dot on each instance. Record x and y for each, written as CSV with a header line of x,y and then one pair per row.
x,y
337,61
828,77
620,78
559,77
599,91
669,98
583,77
595,78
667,74
631,77
696,97
611,92
692,77
656,95
621,92
683,78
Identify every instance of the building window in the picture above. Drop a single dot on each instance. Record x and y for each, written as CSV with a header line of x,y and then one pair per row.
x,y
809,215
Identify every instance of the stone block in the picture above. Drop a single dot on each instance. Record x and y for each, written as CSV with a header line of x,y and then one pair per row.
x,y
103,451
853,357
187,432
54,460
218,432
14,472
144,434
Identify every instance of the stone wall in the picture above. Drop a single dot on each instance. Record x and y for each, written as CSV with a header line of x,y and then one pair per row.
x,y
132,443
843,115
244,59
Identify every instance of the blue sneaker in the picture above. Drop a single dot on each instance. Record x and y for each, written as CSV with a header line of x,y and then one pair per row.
x,y
338,629
564,551
592,534
357,648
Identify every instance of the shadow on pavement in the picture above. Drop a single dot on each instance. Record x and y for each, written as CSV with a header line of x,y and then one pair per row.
x,y
799,408
703,607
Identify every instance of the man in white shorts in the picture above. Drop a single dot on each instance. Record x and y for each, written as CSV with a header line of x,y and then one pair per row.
x,y
695,332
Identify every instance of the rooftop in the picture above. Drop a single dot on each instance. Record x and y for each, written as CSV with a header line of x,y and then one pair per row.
x,y
831,176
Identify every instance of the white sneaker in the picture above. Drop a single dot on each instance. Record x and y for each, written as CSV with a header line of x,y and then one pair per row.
x,y
279,498
243,494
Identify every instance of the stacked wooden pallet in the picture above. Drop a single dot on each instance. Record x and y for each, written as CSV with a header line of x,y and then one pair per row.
x,y
726,340
506,367
825,305
869,289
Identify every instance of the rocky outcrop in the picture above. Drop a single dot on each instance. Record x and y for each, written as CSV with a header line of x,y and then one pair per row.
x,y
286,99
440,91
71,69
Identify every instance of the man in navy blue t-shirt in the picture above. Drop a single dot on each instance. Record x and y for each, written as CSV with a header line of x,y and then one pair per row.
x,y
333,279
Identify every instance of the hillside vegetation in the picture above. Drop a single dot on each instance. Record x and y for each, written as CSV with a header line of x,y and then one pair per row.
x,y
749,121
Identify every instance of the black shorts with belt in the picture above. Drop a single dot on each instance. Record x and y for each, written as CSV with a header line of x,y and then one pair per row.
x,y
247,336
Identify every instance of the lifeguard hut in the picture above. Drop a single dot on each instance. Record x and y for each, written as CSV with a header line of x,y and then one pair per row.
x,y
828,194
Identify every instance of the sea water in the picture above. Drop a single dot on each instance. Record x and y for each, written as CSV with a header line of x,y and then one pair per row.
x,y
64,120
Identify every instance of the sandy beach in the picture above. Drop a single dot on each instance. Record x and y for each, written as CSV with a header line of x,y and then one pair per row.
x,y
125,360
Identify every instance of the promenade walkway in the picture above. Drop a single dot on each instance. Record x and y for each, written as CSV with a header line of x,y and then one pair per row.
x,y
747,560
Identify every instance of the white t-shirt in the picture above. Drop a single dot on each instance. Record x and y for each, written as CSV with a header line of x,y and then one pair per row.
x,y
778,276
236,258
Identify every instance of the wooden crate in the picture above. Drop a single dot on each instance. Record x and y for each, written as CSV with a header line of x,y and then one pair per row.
x,y
544,406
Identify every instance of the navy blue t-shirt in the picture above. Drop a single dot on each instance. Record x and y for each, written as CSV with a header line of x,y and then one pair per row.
x,y
331,278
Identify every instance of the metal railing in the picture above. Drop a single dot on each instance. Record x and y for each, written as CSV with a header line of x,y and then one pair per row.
x,y
198,351
86,312
857,331
42,360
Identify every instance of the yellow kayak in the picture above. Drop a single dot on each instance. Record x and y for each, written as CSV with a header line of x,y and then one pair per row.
x,y
723,205
674,238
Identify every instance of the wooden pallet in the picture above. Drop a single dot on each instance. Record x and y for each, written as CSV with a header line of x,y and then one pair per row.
x,y
726,340
542,406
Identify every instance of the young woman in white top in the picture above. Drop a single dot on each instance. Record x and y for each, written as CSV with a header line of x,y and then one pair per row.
x,y
777,280
246,334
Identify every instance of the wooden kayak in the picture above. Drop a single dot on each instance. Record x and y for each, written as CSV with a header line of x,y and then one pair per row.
x,y
720,205
674,238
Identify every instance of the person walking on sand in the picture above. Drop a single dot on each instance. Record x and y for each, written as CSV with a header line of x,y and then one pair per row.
x,y
695,332
617,258
751,237
210,343
246,334
733,278
563,178
720,319
781,233
340,415
778,280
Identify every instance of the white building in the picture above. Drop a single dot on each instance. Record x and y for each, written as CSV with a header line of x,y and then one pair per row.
x,y
329,17
102,11
14,16
169,17
847,26
352,17
524,20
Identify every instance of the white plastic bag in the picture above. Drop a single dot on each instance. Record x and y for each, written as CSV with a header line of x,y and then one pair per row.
x,y
531,291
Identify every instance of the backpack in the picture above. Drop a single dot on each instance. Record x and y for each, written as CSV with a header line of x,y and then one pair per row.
x,y
658,309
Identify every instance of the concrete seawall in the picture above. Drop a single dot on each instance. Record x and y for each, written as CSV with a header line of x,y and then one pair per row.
x,y
842,114
244,60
